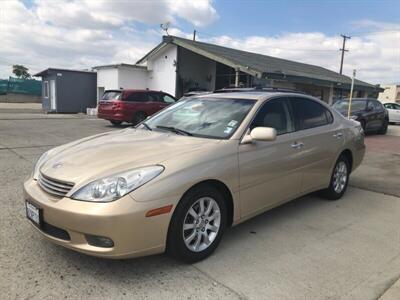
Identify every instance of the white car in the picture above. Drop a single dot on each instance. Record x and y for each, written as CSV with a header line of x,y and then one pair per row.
x,y
394,112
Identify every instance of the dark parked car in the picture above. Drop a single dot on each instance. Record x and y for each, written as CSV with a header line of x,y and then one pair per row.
x,y
369,112
132,106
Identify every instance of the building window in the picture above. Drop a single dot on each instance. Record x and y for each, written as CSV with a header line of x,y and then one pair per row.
x,y
46,89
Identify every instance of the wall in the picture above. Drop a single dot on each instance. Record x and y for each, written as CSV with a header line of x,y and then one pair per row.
x,y
196,71
20,98
76,91
107,78
162,70
390,94
132,78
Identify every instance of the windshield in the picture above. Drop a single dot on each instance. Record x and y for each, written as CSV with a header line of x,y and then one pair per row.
x,y
204,117
111,95
356,105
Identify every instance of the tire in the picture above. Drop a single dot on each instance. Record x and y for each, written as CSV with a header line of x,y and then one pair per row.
x,y
116,123
384,127
212,226
336,188
138,117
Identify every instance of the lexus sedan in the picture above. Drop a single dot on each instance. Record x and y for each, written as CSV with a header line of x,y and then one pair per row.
x,y
371,114
176,181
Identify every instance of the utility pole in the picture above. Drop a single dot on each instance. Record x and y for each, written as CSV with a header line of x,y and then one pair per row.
x,y
343,50
194,35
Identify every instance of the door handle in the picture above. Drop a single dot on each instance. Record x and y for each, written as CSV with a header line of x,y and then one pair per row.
x,y
338,135
297,145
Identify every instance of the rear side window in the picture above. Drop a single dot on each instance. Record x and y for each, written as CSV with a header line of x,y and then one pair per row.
x,y
309,113
136,97
154,97
111,95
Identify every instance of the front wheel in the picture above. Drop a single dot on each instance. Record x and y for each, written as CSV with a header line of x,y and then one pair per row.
x,y
339,179
197,225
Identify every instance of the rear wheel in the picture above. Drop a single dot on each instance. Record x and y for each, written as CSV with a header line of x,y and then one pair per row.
x,y
339,179
384,127
138,117
116,123
197,225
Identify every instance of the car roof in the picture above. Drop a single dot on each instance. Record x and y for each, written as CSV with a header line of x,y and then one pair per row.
x,y
134,90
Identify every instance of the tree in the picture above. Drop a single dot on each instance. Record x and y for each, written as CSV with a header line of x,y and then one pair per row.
x,y
21,72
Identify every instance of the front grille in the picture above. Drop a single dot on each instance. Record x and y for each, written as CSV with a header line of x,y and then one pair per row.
x,y
53,186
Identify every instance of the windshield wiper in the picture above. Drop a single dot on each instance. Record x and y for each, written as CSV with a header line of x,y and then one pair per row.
x,y
147,126
175,130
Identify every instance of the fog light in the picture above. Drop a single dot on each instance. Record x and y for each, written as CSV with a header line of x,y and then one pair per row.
x,y
99,241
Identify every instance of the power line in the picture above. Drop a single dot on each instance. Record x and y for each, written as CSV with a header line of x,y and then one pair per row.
x,y
343,49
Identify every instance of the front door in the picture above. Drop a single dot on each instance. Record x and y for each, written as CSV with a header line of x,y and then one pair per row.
x,y
270,172
53,94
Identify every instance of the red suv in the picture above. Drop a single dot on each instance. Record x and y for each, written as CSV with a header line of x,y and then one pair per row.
x,y
132,106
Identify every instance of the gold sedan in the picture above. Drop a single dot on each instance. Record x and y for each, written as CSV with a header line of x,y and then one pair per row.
x,y
178,180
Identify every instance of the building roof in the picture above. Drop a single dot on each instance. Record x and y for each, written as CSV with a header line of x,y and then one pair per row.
x,y
45,72
264,66
119,65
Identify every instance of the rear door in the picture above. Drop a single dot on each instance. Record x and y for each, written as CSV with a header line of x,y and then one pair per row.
x,y
270,172
322,139
134,101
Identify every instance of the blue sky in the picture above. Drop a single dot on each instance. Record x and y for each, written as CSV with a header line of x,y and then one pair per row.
x,y
243,18
80,34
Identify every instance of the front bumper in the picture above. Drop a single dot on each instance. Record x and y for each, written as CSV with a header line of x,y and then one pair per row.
x,y
122,220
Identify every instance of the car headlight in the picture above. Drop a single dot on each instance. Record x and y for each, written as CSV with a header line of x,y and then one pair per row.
x,y
39,163
113,187
354,117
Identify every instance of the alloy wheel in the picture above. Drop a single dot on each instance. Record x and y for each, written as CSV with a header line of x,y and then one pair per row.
x,y
340,177
201,224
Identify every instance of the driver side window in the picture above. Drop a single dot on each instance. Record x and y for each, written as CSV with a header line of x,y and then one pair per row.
x,y
275,114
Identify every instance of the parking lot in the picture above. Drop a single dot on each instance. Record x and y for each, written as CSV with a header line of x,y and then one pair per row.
x,y
307,249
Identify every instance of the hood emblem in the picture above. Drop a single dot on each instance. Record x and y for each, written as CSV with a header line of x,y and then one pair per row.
x,y
57,165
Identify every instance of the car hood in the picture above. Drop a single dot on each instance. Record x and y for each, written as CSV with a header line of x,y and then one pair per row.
x,y
114,152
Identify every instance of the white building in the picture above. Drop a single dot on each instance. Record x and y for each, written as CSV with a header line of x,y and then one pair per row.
x,y
120,76
391,93
178,65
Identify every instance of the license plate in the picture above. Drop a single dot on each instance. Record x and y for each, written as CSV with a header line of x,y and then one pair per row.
x,y
33,213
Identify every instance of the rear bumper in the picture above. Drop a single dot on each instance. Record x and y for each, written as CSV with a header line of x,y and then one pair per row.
x,y
123,221
117,116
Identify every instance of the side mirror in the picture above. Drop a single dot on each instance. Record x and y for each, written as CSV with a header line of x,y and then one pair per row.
x,y
369,108
264,134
